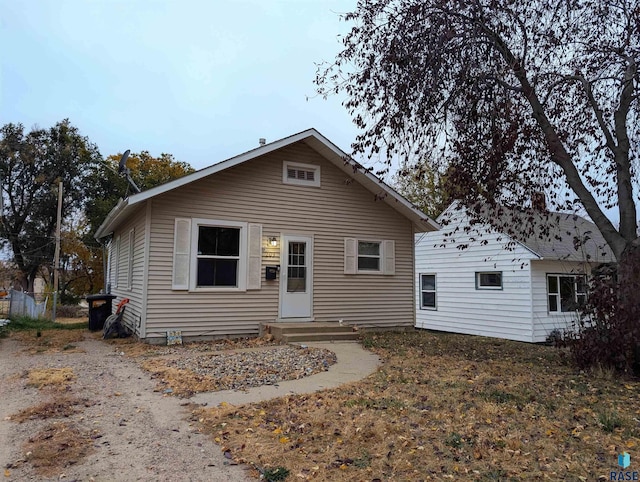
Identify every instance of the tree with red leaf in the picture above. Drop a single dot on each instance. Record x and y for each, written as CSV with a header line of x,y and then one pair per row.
x,y
514,99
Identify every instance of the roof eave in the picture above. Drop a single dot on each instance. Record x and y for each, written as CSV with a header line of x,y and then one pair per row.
x,y
112,219
318,142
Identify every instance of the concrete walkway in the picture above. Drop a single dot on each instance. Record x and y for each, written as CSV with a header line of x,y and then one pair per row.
x,y
354,363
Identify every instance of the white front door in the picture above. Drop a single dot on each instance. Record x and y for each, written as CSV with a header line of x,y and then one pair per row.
x,y
296,294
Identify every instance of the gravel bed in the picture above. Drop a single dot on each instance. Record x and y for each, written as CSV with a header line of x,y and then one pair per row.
x,y
209,346
266,366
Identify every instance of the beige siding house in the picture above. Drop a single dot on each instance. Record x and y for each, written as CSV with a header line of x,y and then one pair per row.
x,y
290,231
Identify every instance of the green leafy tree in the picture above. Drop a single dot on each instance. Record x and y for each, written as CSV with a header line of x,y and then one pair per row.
x,y
107,187
423,185
31,166
83,254
516,98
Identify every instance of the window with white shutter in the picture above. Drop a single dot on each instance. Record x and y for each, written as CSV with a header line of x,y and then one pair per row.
x,y
365,256
216,255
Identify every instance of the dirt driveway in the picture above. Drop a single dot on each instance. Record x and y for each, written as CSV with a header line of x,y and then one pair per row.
x,y
110,419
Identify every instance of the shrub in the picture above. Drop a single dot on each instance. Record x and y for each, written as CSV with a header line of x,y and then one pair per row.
x,y
68,311
608,332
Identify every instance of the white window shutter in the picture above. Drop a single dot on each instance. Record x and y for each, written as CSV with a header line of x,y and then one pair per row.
x,y
389,253
116,265
350,255
181,253
254,271
109,247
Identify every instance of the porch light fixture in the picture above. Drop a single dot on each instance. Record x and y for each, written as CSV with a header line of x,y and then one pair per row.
x,y
273,241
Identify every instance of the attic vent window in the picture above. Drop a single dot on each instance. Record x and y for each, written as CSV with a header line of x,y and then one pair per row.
x,y
301,174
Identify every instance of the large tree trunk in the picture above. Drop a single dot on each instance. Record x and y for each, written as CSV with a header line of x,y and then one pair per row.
x,y
629,299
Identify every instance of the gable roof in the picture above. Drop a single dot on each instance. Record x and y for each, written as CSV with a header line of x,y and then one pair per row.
x,y
313,139
554,236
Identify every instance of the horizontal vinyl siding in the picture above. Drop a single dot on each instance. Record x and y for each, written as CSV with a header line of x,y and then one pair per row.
x,y
461,308
133,312
253,192
544,322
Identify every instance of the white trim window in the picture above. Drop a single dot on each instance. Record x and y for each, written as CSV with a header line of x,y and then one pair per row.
x,y
428,292
489,280
213,255
566,292
220,253
301,174
368,256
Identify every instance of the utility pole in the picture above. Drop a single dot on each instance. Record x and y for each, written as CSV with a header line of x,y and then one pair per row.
x,y
56,258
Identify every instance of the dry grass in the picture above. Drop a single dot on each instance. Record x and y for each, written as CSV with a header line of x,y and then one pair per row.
x,y
443,406
50,341
61,406
183,383
135,349
72,321
57,446
55,378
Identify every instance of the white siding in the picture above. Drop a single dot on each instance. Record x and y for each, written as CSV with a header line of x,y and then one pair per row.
x,y
543,321
253,192
461,307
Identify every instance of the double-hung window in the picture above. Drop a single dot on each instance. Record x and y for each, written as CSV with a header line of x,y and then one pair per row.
x,y
218,256
566,293
366,256
210,255
369,255
428,291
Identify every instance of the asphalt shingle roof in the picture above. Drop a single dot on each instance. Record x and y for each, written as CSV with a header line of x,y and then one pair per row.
x,y
552,235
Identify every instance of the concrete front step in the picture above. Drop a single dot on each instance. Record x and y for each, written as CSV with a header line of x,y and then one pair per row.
x,y
309,331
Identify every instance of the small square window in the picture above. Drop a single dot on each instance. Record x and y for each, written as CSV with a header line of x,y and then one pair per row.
x,y
489,280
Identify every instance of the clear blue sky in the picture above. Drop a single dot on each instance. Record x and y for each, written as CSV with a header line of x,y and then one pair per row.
x,y
202,80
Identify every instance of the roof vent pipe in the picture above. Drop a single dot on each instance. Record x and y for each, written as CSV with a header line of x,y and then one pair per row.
x,y
262,141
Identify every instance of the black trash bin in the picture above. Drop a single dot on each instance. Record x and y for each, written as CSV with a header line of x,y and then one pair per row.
x,y
99,310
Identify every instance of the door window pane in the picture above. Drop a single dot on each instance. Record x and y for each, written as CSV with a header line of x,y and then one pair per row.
x,y
297,271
